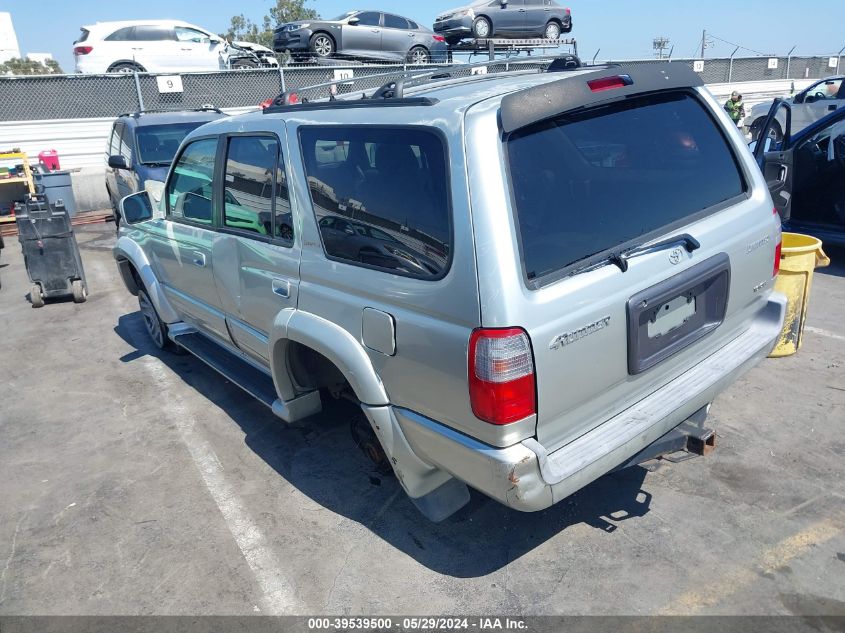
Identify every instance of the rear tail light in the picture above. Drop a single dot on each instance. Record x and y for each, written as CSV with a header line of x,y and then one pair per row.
x,y
610,83
501,375
266,103
438,38
82,50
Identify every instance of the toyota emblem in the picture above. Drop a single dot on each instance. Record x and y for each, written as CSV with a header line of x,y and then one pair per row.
x,y
676,255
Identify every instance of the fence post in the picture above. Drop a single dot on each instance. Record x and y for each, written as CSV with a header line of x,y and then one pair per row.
x,y
282,78
138,90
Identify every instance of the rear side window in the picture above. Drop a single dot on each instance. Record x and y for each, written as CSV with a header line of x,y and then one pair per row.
x,y
255,187
189,189
395,22
610,177
381,197
152,34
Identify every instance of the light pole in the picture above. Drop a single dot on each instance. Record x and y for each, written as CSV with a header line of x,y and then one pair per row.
x,y
660,44
789,60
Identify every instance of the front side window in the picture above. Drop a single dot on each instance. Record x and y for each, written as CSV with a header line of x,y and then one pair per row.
x,y
256,194
825,90
124,147
369,18
381,197
587,182
189,189
185,34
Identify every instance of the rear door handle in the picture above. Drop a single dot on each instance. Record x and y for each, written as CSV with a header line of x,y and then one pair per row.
x,y
281,287
199,259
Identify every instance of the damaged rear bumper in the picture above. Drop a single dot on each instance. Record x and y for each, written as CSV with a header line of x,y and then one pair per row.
x,y
527,477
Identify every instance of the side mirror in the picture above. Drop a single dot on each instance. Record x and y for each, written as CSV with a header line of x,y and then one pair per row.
x,y
118,162
136,208
354,21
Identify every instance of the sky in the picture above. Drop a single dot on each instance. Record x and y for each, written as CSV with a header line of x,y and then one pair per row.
x,y
617,29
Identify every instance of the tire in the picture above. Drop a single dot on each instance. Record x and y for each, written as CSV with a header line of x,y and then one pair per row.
x,y
552,31
80,292
244,64
419,55
322,45
482,28
156,328
35,296
776,132
126,67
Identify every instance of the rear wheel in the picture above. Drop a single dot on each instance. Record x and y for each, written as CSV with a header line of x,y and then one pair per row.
x,y
552,31
482,28
80,293
418,55
322,45
35,296
126,67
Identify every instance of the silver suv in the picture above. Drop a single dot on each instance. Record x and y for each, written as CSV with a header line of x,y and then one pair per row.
x,y
526,279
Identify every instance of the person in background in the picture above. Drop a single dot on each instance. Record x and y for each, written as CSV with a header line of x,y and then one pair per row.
x,y
735,108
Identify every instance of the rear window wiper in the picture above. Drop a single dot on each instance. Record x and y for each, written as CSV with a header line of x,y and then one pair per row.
x,y
620,258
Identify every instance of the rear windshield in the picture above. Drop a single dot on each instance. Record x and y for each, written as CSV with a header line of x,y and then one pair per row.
x,y
83,35
157,144
588,182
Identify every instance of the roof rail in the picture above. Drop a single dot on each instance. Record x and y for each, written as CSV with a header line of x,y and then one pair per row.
x,y
394,88
205,108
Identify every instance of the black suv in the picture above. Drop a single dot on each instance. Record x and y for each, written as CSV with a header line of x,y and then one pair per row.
x,y
142,146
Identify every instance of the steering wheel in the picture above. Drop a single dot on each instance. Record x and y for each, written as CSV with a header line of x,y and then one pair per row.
x,y
839,150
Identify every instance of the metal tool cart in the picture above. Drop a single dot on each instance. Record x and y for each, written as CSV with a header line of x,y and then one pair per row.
x,y
50,252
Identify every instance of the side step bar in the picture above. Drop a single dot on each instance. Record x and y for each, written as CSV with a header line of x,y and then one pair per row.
x,y
251,379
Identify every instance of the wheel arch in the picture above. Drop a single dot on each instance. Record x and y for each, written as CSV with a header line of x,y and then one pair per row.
x,y
131,62
133,265
330,341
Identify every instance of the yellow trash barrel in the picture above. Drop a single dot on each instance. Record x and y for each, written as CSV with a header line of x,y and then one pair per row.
x,y
800,256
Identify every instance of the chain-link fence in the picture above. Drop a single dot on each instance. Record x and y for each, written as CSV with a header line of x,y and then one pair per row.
x,y
50,97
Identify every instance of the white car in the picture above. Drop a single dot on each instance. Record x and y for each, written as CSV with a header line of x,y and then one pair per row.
x,y
808,106
161,46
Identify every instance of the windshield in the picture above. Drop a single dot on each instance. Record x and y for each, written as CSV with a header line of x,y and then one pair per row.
x,y
588,182
343,16
157,144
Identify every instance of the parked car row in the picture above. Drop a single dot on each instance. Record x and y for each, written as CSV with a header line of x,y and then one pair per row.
x,y
381,35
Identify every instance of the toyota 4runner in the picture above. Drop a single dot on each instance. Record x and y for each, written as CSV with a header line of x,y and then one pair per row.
x,y
526,279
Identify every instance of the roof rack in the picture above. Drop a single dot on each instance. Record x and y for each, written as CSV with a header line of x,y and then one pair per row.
x,y
204,108
392,92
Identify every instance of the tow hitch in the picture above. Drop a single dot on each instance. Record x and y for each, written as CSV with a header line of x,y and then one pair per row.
x,y
687,440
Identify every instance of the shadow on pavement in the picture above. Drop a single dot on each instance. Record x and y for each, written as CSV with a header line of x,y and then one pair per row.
x,y
319,458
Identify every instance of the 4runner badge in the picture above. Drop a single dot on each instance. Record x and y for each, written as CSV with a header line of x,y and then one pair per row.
x,y
563,340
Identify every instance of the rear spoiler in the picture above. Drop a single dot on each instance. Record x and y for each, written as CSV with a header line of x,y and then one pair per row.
x,y
529,106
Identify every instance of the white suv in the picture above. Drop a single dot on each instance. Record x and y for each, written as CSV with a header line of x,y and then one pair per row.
x,y
160,46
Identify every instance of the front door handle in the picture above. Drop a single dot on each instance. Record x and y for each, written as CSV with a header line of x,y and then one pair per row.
x,y
782,173
199,259
281,287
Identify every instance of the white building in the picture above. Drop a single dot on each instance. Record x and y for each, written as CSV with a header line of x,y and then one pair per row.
x,y
8,39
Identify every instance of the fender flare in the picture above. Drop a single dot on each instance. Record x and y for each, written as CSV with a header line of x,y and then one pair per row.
x,y
333,342
127,250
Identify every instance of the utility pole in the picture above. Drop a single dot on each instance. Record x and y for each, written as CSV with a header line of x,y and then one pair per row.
x,y
660,44
703,42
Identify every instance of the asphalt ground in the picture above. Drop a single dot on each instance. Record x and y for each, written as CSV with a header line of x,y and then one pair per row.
x,y
137,482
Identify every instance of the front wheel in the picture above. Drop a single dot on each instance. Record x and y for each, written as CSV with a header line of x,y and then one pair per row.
x,y
322,45
775,133
80,292
552,31
156,328
35,296
482,28
244,64
418,55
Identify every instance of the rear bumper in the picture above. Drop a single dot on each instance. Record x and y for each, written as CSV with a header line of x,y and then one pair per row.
x,y
529,478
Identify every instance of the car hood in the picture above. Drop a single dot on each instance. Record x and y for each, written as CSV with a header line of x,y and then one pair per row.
x,y
252,46
468,5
